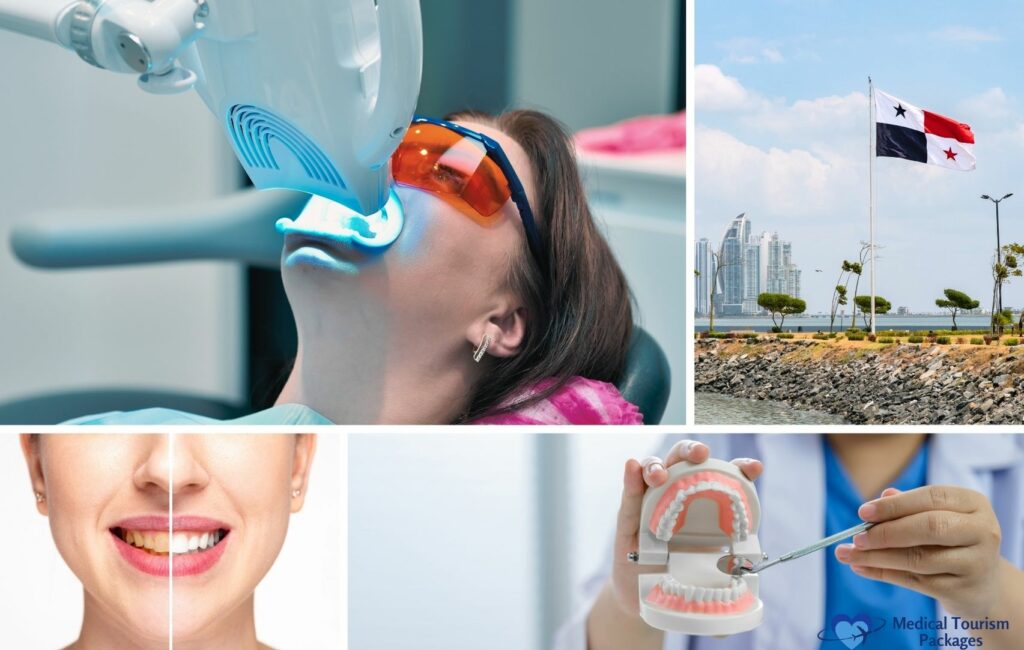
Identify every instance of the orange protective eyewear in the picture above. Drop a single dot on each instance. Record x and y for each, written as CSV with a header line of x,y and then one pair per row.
x,y
465,168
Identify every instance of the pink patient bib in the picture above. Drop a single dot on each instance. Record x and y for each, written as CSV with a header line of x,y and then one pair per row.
x,y
581,401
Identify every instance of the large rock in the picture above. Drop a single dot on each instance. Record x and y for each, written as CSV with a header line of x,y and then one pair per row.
x,y
899,384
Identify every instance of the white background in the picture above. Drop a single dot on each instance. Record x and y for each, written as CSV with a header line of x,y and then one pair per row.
x,y
446,534
299,605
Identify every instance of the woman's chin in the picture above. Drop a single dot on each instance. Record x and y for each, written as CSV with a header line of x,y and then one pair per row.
x,y
148,622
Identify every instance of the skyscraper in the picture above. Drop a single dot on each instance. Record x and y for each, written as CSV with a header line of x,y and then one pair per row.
x,y
734,255
750,265
704,265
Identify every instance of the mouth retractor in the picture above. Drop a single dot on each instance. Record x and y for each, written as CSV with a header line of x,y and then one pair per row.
x,y
324,219
701,510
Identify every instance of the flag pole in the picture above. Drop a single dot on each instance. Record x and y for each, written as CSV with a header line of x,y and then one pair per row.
x,y
871,195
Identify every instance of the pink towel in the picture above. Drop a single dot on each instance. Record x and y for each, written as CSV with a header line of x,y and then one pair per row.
x,y
638,135
581,401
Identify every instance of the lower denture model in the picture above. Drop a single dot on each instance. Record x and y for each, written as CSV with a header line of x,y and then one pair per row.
x,y
702,512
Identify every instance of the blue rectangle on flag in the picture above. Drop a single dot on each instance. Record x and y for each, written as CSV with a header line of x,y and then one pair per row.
x,y
900,142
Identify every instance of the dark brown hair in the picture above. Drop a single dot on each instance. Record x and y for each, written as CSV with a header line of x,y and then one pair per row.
x,y
579,309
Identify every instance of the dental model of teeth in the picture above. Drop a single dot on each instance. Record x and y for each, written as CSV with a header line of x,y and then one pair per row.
x,y
177,544
700,513
733,509
670,594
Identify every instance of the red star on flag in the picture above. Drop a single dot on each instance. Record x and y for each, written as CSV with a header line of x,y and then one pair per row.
x,y
950,155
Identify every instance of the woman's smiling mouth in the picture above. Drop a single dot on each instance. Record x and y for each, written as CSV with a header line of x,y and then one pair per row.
x,y
149,545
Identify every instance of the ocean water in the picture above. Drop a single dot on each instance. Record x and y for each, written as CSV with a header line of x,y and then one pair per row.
x,y
816,323
714,408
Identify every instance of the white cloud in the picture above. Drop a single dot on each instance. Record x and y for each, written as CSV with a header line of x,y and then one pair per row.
x,y
718,92
794,182
990,107
964,34
832,115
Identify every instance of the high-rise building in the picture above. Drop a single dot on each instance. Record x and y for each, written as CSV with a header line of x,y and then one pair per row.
x,y
752,275
732,272
750,265
704,265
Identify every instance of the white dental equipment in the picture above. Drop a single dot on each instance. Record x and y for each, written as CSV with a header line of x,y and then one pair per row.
x,y
685,524
314,96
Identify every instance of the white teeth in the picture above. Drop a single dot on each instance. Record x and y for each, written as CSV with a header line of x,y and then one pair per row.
x,y
179,543
699,594
675,509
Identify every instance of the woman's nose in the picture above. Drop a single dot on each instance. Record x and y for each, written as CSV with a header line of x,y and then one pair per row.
x,y
171,465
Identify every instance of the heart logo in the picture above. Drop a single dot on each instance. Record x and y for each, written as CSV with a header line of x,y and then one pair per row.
x,y
851,631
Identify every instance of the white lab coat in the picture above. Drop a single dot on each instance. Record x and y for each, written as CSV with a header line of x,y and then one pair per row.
x,y
792,499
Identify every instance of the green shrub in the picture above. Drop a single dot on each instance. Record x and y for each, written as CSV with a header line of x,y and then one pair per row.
x,y
977,341
887,339
853,330
856,336
821,337
915,339
942,340
833,335
784,336
1011,342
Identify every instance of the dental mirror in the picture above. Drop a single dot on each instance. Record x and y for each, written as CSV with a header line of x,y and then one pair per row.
x,y
736,565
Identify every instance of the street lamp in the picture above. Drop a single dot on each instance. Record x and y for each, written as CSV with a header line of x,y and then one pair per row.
x,y
997,299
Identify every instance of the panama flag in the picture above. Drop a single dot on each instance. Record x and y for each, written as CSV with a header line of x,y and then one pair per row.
x,y
906,131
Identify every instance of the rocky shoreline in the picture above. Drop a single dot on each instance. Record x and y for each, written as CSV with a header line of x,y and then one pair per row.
x,y
895,384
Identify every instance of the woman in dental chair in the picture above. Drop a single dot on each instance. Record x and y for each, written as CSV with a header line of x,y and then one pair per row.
x,y
499,301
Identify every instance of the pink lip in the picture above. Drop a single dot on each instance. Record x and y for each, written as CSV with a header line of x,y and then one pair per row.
x,y
160,565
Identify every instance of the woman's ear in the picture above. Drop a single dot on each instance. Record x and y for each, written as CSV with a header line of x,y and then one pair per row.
x,y
30,448
506,327
305,448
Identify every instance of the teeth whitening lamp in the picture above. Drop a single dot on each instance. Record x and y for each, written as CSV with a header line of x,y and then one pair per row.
x,y
313,95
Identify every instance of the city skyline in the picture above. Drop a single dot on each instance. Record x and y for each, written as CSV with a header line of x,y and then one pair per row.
x,y
781,133
751,264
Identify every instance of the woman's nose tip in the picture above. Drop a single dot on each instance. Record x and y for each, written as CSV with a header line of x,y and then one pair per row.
x,y
171,465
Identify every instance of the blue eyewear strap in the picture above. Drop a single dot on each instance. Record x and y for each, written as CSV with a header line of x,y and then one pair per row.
x,y
515,186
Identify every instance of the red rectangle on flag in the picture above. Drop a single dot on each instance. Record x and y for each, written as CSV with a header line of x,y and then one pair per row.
x,y
944,127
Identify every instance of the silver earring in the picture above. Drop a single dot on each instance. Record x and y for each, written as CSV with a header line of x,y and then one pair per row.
x,y
39,497
295,493
481,349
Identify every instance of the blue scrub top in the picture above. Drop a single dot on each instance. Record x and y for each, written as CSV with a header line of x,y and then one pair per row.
x,y
285,414
849,595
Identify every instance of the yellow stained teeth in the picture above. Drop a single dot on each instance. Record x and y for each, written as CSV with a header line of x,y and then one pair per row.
x,y
165,543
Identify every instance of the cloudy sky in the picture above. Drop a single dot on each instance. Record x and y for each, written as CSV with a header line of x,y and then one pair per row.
x,y
782,121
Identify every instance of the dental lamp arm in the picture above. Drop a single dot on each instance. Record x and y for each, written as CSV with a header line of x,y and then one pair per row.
x,y
237,227
43,19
